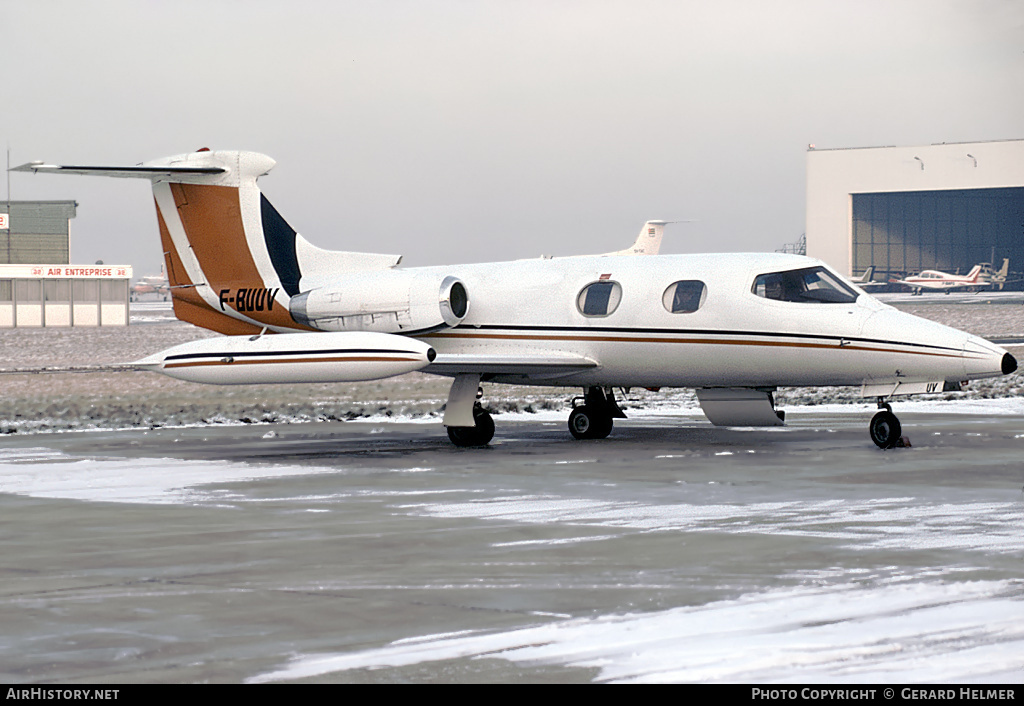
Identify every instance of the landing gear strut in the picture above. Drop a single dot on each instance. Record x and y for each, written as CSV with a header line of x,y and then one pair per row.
x,y
593,418
885,427
468,423
479,435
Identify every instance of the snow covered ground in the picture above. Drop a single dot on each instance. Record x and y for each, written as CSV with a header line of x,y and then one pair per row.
x,y
834,632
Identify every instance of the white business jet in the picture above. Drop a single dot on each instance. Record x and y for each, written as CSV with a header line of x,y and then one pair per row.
x,y
733,326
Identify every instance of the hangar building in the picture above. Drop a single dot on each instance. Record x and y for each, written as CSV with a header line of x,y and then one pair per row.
x,y
38,286
946,207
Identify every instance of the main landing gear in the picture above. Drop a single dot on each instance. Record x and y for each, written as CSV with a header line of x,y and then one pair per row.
x,y
885,427
478,435
593,418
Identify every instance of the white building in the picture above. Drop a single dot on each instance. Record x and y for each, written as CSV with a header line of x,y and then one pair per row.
x,y
906,209
37,285
64,295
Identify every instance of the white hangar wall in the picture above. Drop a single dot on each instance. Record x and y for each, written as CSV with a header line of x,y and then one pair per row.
x,y
904,209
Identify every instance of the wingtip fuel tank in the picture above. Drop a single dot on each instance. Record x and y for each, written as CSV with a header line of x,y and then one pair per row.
x,y
291,358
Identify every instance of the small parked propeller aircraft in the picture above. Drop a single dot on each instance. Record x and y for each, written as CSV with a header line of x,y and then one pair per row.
x,y
734,326
866,280
943,281
150,284
996,278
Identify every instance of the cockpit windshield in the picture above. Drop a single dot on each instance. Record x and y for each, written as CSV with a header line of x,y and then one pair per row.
x,y
814,285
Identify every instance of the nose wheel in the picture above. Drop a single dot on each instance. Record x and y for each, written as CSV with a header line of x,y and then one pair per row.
x,y
885,428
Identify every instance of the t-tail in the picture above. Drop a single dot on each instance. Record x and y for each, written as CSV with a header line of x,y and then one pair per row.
x,y
233,263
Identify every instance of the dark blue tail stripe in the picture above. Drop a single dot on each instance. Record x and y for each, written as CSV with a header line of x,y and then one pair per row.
x,y
280,239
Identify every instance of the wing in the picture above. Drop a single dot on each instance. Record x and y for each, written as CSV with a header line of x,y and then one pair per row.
x,y
549,366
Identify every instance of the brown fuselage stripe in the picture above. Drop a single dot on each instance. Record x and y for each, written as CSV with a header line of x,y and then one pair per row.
x,y
359,359
712,341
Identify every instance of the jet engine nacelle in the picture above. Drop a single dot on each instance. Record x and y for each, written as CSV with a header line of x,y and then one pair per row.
x,y
389,301
291,357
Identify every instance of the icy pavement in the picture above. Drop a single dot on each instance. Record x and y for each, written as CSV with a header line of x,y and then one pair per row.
x,y
364,552
929,632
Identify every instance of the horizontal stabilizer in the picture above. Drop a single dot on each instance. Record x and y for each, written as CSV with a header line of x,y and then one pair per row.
x,y
223,168
140,172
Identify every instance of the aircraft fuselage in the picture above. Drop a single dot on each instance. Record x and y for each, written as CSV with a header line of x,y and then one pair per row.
x,y
735,338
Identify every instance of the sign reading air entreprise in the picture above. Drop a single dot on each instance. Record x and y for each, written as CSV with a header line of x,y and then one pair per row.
x,y
86,271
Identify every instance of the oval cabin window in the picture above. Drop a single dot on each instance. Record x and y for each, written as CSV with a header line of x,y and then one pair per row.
x,y
599,298
684,297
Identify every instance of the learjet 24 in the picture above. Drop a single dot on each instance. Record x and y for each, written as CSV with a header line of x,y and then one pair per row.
x,y
733,326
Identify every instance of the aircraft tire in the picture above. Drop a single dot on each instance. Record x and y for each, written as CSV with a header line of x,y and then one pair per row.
x,y
885,429
586,422
479,435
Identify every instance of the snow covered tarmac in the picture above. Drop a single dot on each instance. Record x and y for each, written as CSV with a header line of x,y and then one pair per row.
x,y
372,551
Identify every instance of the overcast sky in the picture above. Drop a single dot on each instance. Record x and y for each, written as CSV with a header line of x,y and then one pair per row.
x,y
468,130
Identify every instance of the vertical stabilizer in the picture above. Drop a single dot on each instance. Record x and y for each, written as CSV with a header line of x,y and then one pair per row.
x,y
648,242
867,277
232,262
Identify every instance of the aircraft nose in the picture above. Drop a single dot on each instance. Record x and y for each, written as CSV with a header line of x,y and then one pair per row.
x,y
1009,364
984,359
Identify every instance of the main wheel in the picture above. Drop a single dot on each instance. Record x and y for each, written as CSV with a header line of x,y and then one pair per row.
x,y
479,435
587,422
885,429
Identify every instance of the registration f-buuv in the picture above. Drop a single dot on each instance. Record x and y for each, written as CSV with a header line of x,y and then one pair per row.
x,y
733,326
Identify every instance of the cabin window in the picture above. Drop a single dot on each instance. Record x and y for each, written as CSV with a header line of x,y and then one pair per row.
x,y
808,285
599,298
684,297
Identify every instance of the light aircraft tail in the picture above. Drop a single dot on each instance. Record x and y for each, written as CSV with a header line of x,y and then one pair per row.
x,y
232,262
866,277
999,278
973,275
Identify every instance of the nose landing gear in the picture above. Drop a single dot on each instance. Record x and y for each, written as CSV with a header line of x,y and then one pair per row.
x,y
885,428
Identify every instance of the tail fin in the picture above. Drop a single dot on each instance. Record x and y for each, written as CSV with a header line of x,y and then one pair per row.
x,y
999,278
972,276
648,242
866,277
232,262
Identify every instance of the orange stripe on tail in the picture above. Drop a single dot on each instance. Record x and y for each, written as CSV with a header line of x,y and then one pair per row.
x,y
212,219
188,305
